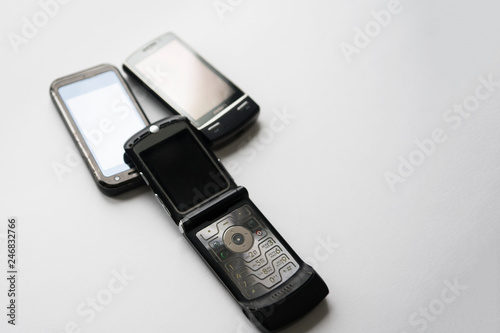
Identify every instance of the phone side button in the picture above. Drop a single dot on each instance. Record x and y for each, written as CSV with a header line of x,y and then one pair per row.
x,y
159,200
161,203
146,181
214,127
242,105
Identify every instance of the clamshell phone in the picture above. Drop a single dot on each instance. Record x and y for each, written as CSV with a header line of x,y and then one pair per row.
x,y
262,272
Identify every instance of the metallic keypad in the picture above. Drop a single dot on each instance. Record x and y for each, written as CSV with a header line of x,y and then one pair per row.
x,y
249,252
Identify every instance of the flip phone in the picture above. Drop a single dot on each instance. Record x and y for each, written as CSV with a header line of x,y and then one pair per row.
x,y
266,277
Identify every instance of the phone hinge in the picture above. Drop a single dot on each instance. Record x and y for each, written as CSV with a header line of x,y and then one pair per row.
x,y
212,208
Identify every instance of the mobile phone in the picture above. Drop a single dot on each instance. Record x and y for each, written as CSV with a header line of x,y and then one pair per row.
x,y
100,113
262,272
188,85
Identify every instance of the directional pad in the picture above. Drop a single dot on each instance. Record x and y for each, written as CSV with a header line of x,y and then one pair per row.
x,y
248,251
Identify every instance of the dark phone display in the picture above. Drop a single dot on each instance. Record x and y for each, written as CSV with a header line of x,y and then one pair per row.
x,y
184,170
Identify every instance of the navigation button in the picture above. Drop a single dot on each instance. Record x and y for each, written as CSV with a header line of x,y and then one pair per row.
x,y
214,126
242,105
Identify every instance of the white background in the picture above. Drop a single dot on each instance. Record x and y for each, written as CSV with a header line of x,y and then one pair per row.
x,y
320,178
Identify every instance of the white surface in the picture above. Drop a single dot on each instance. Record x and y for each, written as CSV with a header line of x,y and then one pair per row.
x,y
319,177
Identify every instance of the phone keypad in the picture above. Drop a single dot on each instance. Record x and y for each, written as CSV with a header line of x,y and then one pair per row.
x,y
256,269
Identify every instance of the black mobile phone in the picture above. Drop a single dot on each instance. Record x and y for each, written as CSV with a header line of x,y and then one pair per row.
x,y
267,278
188,85
100,113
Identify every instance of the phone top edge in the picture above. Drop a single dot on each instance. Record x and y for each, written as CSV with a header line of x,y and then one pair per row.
x,y
85,73
148,47
130,143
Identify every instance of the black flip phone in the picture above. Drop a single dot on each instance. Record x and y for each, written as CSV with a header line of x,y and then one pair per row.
x,y
267,278
188,85
100,113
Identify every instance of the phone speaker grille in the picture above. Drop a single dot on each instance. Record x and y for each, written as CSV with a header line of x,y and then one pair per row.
x,y
149,47
283,291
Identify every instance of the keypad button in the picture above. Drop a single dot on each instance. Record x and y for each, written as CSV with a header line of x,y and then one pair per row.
x,y
250,255
257,263
223,254
274,252
261,273
255,291
267,244
281,261
252,224
260,233
209,232
215,229
234,264
224,224
215,244
240,273
241,213
253,265
248,281
287,271
272,280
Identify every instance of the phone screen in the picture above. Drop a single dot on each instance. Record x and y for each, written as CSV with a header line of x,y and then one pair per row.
x,y
105,116
184,171
186,82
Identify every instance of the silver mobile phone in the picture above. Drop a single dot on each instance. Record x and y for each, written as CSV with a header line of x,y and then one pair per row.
x,y
188,85
100,113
